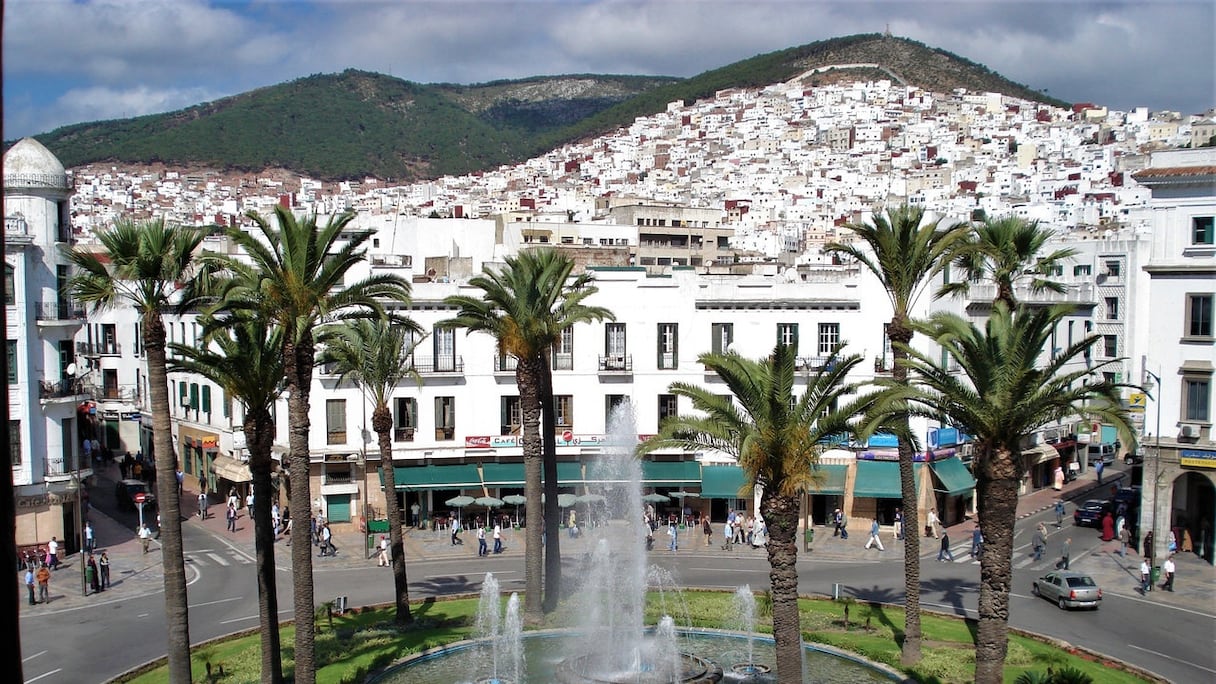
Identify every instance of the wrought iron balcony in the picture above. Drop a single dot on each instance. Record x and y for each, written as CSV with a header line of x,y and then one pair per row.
x,y
59,310
110,348
616,363
58,389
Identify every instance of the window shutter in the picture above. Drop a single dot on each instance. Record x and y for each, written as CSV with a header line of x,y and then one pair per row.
x,y
184,396
675,345
658,362
194,395
206,399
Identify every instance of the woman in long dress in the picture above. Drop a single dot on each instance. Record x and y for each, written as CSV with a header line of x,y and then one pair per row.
x,y
1108,527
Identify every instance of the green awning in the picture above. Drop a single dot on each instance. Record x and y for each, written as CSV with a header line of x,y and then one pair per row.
x,y
880,479
954,477
673,473
830,479
723,482
436,477
502,474
569,472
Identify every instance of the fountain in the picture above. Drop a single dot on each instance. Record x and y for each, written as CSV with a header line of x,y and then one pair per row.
x,y
611,644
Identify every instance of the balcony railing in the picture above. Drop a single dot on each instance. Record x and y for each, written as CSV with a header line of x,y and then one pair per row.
x,y
99,348
504,363
127,393
811,363
616,363
57,389
403,434
441,364
61,310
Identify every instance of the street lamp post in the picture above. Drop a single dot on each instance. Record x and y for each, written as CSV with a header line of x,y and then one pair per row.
x,y
1148,386
75,485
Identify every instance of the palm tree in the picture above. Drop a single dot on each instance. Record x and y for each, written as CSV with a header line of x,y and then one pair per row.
x,y
146,265
1006,250
1002,396
776,436
376,355
905,251
294,275
246,360
525,306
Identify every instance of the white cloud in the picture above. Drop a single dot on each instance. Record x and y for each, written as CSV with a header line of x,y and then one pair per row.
x,y
99,102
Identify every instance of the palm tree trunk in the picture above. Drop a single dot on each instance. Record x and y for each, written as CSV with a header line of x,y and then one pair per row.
x,y
382,423
781,520
997,497
298,360
899,331
177,617
527,378
259,433
553,537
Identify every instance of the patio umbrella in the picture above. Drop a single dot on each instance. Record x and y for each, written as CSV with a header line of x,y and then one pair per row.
x,y
566,500
515,500
685,495
591,498
488,501
459,502
655,498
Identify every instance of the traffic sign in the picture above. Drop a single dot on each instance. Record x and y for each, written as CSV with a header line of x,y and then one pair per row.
x,y
140,497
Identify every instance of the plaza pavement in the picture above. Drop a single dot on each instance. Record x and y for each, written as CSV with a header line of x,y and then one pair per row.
x,y
135,574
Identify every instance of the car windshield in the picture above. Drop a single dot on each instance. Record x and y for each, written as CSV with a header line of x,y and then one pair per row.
x,y
1081,582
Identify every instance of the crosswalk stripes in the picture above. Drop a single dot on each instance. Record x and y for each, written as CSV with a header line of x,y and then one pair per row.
x,y
223,557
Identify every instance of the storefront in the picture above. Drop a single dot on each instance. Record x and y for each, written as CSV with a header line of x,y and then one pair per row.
x,y
197,450
953,486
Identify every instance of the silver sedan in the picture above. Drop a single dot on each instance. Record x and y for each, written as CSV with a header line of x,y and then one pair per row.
x,y
1069,589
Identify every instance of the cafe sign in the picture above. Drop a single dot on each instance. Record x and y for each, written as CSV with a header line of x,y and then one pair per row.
x,y
1198,458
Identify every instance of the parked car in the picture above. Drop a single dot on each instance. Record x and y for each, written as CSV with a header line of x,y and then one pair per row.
x,y
125,491
1069,589
1102,452
1089,514
1128,495
1133,457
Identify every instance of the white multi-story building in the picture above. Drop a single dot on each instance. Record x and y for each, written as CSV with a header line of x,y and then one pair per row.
x,y
49,413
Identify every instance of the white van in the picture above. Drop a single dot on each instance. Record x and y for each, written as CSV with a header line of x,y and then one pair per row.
x,y
1103,452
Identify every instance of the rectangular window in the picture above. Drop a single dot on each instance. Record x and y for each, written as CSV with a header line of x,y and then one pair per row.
x,y
206,405
1113,269
1110,377
614,339
445,418
1196,399
225,403
1082,270
668,351
787,334
183,393
1202,230
1112,308
563,409
67,357
1199,315
611,401
10,350
445,350
1110,346
10,285
405,419
14,441
139,340
829,338
512,417
335,421
667,407
723,335
563,352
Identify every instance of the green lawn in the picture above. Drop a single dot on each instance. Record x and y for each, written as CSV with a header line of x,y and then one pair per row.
x,y
360,641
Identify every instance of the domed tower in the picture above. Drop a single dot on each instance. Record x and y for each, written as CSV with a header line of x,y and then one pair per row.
x,y
45,428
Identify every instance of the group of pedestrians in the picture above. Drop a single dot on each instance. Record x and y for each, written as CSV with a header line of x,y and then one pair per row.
x,y
496,534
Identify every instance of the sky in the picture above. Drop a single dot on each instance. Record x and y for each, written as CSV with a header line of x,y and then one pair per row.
x,y
68,61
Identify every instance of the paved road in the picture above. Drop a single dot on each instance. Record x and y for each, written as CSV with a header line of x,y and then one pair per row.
x,y
73,638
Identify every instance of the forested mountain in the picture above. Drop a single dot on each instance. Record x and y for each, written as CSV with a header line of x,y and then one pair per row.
x,y
356,124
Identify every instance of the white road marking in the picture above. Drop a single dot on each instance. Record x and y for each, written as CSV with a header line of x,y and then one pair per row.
x,y
1177,660
47,674
31,657
253,617
217,558
213,603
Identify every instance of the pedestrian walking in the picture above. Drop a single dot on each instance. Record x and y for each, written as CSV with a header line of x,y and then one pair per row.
x,y
899,524
977,543
944,552
202,504
1101,465
1125,536
1040,541
1065,550
90,541
414,510
181,479
1146,581
43,577
30,583
838,524
383,560
1147,551
233,499
327,542
91,577
497,537
1059,508
674,534
52,553
456,532
103,569
230,514
1167,568
145,536
707,530
874,528
934,521
481,541
728,535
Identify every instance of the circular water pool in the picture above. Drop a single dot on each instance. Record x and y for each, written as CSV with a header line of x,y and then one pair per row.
x,y
544,653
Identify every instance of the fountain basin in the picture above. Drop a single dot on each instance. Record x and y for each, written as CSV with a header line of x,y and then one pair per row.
x,y
546,651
